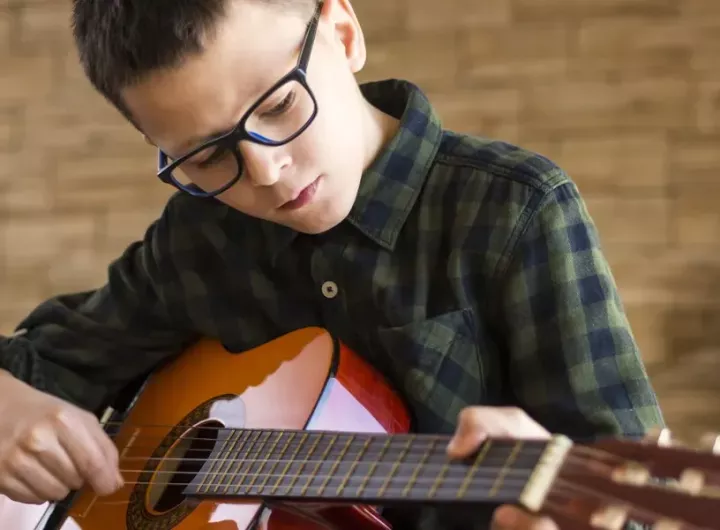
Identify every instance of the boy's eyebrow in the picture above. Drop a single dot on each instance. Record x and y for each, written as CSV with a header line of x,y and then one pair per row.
x,y
197,141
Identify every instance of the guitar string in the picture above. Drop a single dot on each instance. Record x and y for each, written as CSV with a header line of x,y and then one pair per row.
x,y
280,437
514,491
560,486
563,489
473,488
480,473
389,450
409,443
573,520
290,432
248,473
236,455
359,437
604,499
340,438
167,429
366,459
123,428
635,512
559,504
329,460
515,478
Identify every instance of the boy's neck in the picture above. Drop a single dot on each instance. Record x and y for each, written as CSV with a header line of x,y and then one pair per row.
x,y
380,129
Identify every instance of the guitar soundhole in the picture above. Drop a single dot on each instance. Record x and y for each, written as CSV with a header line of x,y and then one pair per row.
x,y
180,465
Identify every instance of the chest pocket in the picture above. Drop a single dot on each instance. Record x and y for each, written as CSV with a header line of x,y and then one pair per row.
x,y
436,364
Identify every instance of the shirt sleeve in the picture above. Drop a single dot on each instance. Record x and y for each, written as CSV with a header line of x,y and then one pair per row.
x,y
84,347
573,364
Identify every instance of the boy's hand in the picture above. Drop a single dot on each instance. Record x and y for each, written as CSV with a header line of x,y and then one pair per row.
x,y
478,423
49,447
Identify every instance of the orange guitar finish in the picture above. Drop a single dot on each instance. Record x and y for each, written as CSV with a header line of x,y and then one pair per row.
x,y
303,380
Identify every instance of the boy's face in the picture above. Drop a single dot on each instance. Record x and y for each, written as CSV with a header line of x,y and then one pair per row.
x,y
254,46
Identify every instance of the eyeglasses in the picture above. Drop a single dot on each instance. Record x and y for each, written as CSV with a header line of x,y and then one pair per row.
x,y
279,116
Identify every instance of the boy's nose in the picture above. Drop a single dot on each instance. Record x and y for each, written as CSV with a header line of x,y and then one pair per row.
x,y
264,165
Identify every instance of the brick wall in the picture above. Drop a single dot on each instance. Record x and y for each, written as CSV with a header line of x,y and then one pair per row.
x,y
625,94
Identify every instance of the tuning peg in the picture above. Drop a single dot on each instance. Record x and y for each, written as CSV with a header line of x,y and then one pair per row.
x,y
660,436
692,481
667,524
631,473
610,518
710,442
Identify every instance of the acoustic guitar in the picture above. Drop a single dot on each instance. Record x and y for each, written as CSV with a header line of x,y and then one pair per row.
x,y
300,433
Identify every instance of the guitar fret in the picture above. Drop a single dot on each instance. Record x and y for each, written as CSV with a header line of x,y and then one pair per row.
x,y
287,465
249,462
335,465
367,468
292,459
305,462
244,437
482,454
211,471
395,467
263,462
317,467
439,479
354,465
419,467
373,466
506,468
238,461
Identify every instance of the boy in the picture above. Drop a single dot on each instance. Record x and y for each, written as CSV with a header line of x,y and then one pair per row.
x,y
467,271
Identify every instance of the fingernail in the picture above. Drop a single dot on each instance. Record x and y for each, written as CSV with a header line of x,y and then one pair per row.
x,y
120,480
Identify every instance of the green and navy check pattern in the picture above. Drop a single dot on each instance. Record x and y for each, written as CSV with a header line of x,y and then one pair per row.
x,y
469,272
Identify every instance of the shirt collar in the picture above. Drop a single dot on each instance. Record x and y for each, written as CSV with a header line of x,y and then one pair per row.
x,y
391,185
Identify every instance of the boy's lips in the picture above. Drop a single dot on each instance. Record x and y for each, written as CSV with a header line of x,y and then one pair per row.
x,y
302,198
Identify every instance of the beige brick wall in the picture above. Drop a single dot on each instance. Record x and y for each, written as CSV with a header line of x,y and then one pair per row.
x,y
625,94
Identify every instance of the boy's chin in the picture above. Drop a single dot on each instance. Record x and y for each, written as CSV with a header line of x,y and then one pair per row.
x,y
315,226
326,214
315,222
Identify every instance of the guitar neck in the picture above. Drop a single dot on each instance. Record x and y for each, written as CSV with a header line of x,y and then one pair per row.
x,y
382,469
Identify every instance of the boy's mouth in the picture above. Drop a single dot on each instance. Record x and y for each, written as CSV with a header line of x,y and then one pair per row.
x,y
303,198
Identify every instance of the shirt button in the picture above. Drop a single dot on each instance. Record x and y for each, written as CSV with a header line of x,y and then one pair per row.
x,y
329,290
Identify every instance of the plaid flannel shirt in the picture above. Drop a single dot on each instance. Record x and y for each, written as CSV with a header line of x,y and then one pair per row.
x,y
468,272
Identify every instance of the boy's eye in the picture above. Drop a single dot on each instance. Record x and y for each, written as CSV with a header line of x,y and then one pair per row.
x,y
217,155
282,106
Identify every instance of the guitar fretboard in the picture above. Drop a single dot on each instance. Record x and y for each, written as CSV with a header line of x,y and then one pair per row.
x,y
310,465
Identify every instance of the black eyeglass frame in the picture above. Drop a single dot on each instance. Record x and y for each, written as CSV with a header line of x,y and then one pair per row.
x,y
230,139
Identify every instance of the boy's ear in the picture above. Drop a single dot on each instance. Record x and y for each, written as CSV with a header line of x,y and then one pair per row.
x,y
340,15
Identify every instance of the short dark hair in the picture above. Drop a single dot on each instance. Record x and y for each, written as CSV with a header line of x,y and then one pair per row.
x,y
121,41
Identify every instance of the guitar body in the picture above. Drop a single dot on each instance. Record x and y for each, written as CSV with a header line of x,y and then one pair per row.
x,y
304,380
301,434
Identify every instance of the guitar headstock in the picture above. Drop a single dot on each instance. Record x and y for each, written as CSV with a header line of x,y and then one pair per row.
x,y
658,482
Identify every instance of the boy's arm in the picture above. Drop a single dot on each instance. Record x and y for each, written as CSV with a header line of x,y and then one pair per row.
x,y
573,362
84,347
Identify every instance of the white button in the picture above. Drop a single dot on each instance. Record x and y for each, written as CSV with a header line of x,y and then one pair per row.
x,y
329,289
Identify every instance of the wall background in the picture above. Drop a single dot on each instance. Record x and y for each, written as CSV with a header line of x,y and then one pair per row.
x,y
624,94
